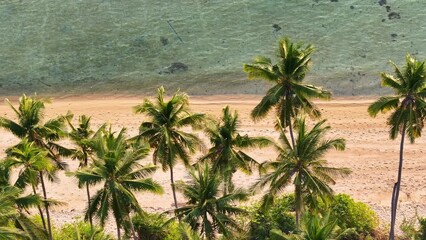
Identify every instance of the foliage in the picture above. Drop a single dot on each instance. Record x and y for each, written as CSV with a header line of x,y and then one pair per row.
x,y
278,216
164,131
116,166
227,152
289,95
80,230
303,166
206,211
352,214
414,228
151,226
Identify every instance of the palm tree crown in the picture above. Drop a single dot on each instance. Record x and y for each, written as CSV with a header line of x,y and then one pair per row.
x,y
206,211
289,95
303,165
226,154
116,165
163,130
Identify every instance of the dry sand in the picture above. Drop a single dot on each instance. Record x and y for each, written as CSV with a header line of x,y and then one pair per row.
x,y
370,154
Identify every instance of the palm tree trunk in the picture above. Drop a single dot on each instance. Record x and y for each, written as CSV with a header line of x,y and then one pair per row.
x,y
173,185
88,204
132,228
290,127
40,210
46,205
118,231
298,203
395,193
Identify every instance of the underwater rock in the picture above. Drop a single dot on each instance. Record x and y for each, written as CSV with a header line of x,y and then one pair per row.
x,y
276,27
394,35
388,9
334,0
382,2
394,15
352,7
164,41
174,68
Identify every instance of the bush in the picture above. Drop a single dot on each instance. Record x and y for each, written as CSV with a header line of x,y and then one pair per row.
x,y
414,228
351,214
278,216
81,231
154,226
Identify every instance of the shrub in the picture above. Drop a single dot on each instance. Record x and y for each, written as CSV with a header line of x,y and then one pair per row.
x,y
278,216
351,214
154,226
80,230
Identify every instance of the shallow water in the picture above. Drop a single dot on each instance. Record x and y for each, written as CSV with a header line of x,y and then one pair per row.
x,y
94,46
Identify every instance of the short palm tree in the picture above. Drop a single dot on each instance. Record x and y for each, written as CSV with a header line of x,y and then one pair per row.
x,y
289,95
34,164
81,135
206,211
227,152
164,131
303,166
116,166
409,109
8,212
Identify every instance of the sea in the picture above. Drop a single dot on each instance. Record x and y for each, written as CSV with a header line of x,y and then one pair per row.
x,y
72,47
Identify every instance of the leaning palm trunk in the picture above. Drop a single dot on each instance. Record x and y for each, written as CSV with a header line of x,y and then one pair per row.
x,y
40,210
173,186
298,203
395,192
88,204
46,205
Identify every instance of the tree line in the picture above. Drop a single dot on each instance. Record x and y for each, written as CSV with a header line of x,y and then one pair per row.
x,y
112,159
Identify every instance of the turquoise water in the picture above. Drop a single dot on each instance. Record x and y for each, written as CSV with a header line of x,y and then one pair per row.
x,y
95,46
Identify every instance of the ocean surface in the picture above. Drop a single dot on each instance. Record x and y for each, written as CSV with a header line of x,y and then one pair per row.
x,y
134,46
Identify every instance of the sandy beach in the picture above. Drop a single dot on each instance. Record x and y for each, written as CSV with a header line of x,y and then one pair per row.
x,y
370,154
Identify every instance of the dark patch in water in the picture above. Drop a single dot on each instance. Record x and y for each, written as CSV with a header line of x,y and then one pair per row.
x,y
352,7
276,27
382,2
394,35
164,41
394,15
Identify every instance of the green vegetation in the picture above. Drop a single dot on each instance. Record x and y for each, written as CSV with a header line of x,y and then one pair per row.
x,y
213,207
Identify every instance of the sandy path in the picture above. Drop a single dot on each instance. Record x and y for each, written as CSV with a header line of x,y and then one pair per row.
x,y
372,157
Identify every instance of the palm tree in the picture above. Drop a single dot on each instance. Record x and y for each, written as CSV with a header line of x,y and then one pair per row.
x,y
81,135
303,165
8,212
289,95
206,211
116,165
226,154
409,108
29,125
164,131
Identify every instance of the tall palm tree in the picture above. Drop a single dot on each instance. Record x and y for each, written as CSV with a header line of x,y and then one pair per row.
x,y
303,166
34,164
206,211
164,131
116,166
226,154
289,95
409,108
81,135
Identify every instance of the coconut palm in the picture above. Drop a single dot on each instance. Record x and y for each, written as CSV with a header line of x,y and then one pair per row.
x,y
164,131
116,166
206,211
29,125
226,154
8,212
303,166
81,135
289,95
409,108
34,164
11,197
